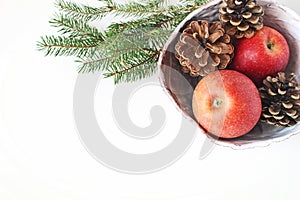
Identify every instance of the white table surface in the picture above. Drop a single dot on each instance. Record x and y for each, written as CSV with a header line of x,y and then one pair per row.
x,y
41,156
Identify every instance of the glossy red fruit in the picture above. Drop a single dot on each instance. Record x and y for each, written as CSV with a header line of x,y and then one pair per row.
x,y
266,53
227,104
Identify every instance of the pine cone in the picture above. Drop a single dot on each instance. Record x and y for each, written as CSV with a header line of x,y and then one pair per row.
x,y
281,100
242,18
203,48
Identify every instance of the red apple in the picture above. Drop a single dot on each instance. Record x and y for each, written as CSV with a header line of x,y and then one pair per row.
x,y
227,104
266,53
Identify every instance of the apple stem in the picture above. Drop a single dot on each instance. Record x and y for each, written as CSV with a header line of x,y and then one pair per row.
x,y
217,102
270,45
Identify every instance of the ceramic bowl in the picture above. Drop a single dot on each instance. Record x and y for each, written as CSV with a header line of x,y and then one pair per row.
x,y
179,86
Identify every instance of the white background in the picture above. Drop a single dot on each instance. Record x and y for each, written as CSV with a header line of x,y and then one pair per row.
x,y
41,156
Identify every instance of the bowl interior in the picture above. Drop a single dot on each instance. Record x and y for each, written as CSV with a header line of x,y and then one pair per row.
x,y
180,86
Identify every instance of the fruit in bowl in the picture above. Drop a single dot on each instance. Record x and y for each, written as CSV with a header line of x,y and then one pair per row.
x,y
227,104
266,53
184,80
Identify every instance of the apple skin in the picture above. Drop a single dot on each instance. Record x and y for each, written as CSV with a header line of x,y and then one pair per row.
x,y
266,53
227,104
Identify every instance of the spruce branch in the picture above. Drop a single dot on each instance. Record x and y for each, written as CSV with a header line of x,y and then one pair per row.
x,y
131,9
154,7
66,46
128,68
167,20
75,28
163,22
123,47
100,60
83,12
134,69
127,50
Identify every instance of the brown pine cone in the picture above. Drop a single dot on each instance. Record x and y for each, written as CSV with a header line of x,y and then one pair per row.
x,y
203,48
242,18
281,100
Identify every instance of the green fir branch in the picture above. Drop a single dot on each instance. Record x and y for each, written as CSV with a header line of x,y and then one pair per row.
x,y
75,28
134,68
101,59
66,46
83,12
131,9
162,22
127,50
123,46
168,21
155,7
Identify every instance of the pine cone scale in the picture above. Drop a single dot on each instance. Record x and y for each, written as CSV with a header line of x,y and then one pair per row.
x,y
204,59
229,10
226,49
292,113
224,61
295,96
217,61
199,52
267,115
279,117
225,39
257,10
238,2
271,92
251,4
281,92
243,27
287,105
274,110
253,20
215,36
230,30
236,21
258,26
247,15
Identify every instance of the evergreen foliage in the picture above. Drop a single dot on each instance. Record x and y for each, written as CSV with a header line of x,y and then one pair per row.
x,y
127,50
